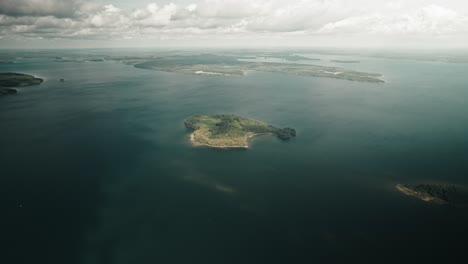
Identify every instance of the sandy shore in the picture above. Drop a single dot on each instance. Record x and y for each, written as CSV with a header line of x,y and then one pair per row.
x,y
209,73
196,144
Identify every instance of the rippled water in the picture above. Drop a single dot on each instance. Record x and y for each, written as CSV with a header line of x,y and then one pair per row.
x,y
99,169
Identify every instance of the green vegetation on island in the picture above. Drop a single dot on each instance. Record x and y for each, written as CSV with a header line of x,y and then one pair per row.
x,y
10,80
437,193
230,131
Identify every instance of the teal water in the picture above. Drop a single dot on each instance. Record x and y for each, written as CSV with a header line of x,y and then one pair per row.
x,y
99,169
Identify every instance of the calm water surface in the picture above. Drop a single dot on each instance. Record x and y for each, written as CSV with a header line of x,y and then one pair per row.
x,y
99,169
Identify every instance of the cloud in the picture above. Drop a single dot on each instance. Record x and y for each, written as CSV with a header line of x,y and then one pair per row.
x,y
108,16
430,20
229,19
56,8
232,9
155,16
299,16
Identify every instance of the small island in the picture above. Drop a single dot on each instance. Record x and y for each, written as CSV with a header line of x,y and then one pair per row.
x,y
437,193
230,131
10,80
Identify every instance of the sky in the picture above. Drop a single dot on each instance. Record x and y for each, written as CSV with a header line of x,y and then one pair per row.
x,y
234,23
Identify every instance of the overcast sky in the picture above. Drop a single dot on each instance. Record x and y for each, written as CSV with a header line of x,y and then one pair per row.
x,y
256,23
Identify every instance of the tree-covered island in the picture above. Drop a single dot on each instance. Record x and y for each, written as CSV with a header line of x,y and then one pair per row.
x,y
437,193
10,80
230,131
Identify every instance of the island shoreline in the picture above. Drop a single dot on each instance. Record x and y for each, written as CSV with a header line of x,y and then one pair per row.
x,y
196,144
420,195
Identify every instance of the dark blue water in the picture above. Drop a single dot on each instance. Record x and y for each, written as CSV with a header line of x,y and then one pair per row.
x,y
99,169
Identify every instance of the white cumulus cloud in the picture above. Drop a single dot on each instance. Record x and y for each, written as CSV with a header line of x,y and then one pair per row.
x,y
431,20
232,18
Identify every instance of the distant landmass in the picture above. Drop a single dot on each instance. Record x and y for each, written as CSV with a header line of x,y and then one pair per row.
x,y
345,61
10,80
210,64
437,193
230,131
297,58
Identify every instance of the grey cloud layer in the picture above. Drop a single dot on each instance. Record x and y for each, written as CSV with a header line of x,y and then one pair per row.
x,y
81,19
56,8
